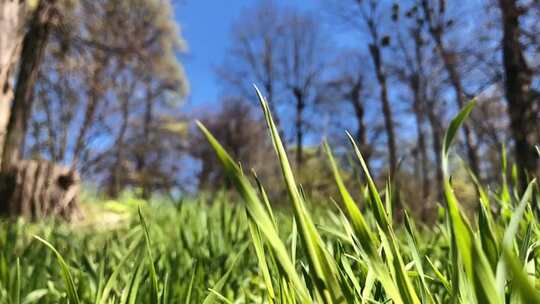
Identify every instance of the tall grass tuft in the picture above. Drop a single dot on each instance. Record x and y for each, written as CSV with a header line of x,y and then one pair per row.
x,y
223,251
475,273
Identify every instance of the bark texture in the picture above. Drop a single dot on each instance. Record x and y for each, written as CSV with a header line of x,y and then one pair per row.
x,y
11,23
522,108
376,55
37,188
449,58
33,48
355,99
28,188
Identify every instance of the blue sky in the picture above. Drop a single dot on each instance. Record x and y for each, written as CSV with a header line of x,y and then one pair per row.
x,y
206,26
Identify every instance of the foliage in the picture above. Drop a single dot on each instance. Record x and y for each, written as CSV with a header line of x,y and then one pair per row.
x,y
109,90
196,252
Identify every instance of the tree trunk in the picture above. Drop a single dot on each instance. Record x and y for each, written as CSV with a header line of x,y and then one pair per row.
x,y
95,96
375,52
36,188
472,150
418,85
436,135
449,61
29,188
376,56
299,125
117,180
361,132
5,105
11,24
141,159
521,106
33,48
418,109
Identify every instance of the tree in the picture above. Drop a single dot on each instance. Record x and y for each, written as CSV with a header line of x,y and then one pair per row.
x,y
242,133
302,65
438,23
32,51
280,50
118,180
349,85
411,71
370,14
253,57
32,188
108,53
523,108
14,15
104,62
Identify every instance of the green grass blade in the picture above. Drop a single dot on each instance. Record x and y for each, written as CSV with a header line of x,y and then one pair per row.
x,y
66,275
475,263
265,199
413,246
521,281
361,228
324,268
17,297
258,213
455,125
509,236
134,284
405,286
191,281
214,292
377,205
263,265
34,296
151,266
113,277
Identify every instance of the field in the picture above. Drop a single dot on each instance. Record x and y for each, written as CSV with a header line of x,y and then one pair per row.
x,y
223,250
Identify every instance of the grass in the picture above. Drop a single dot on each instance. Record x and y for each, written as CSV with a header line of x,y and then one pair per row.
x,y
219,251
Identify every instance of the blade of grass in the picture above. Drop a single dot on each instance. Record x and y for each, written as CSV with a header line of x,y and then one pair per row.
x,y
509,236
190,287
17,298
475,263
521,281
405,286
211,298
324,268
258,213
66,275
263,265
152,268
361,228
113,277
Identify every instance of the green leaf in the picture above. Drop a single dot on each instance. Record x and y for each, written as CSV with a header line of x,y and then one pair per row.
x,y
455,125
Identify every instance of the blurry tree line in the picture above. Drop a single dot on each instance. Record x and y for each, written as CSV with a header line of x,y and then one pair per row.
x,y
93,85
97,85
393,73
